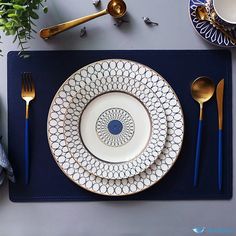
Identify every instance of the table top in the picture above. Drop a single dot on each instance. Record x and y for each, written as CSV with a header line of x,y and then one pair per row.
x,y
117,218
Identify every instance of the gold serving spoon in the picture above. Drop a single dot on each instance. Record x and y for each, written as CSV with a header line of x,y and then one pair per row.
x,y
202,90
202,14
116,8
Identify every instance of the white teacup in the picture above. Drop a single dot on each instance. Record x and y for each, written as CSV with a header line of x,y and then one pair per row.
x,y
225,10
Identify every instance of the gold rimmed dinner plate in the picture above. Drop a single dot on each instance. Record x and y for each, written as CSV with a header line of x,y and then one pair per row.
x,y
115,127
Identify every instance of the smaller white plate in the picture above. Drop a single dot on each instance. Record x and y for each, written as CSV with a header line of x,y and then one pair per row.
x,y
115,126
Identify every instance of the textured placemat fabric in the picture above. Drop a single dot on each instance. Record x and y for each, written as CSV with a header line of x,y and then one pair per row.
x,y
179,67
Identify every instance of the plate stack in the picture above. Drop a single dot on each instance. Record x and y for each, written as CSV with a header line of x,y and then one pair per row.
x,y
115,127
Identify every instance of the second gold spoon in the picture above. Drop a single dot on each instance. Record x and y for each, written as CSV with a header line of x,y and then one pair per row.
x,y
202,14
116,8
202,90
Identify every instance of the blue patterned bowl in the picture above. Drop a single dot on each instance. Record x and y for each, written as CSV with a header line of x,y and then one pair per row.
x,y
220,19
207,30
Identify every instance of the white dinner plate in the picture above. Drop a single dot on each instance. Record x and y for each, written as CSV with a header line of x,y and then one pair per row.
x,y
115,127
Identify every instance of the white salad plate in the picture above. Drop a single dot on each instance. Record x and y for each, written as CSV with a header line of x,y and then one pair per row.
x,y
115,127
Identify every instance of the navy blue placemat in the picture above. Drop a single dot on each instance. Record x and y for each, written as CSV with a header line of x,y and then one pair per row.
x,y
51,68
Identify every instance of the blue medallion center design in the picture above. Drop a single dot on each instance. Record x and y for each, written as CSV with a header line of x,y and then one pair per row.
x,y
115,127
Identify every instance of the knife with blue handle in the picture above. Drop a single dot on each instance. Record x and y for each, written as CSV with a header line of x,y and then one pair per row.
x,y
219,97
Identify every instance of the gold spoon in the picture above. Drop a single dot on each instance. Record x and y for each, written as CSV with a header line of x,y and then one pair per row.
x,y
116,8
202,90
202,14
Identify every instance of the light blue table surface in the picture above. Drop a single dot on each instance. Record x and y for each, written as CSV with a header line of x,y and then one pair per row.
x,y
166,218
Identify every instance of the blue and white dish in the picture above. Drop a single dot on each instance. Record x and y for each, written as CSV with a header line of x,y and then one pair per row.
x,y
207,30
115,127
122,124
224,12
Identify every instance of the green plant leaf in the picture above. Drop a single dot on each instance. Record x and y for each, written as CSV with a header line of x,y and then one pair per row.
x,y
34,15
10,11
19,7
5,4
11,15
2,21
12,31
45,9
9,25
17,18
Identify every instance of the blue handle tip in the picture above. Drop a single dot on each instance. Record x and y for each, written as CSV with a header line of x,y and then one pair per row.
x,y
197,157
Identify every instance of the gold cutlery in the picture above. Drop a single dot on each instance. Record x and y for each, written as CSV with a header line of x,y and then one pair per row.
x,y
116,8
202,14
202,90
219,97
27,94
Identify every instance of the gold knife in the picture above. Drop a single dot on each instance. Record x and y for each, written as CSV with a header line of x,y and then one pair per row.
x,y
219,97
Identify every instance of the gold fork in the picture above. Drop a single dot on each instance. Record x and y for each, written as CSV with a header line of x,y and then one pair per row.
x,y
27,94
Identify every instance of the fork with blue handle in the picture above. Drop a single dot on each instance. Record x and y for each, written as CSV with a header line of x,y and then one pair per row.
x,y
27,94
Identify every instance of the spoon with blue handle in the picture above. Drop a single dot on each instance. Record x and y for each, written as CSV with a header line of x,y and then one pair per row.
x,y
219,97
202,90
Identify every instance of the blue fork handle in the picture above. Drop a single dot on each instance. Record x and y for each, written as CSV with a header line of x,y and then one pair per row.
x,y
197,157
26,154
220,132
